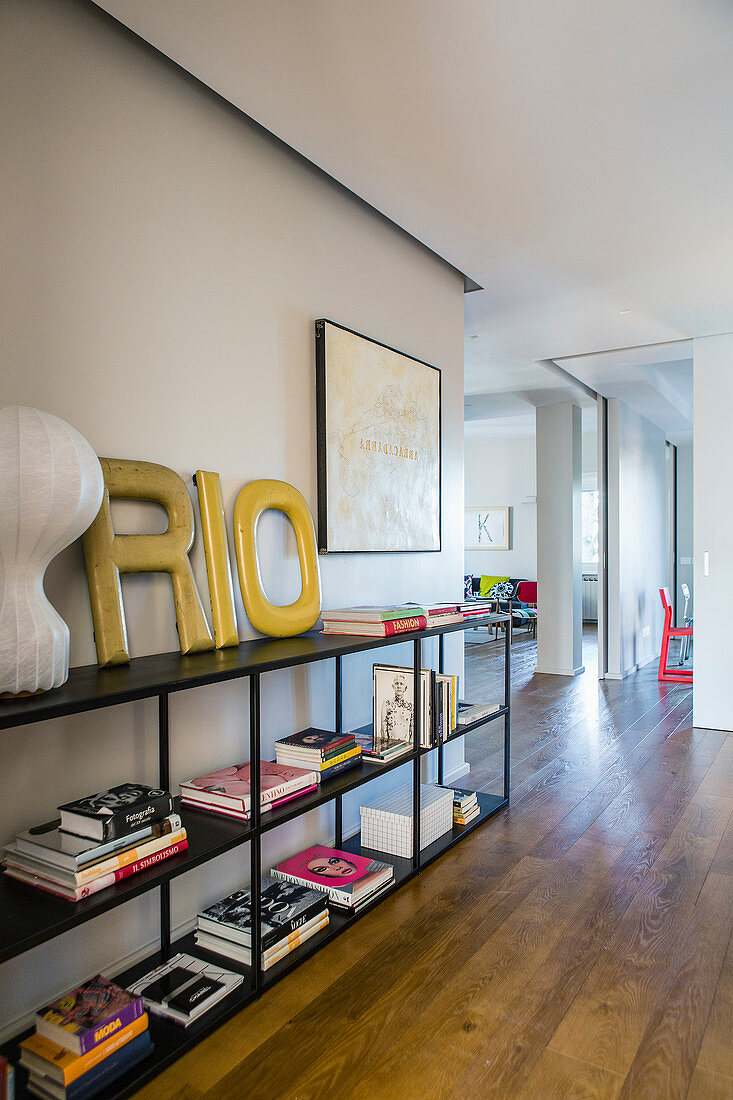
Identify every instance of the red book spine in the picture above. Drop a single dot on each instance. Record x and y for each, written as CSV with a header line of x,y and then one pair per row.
x,y
404,626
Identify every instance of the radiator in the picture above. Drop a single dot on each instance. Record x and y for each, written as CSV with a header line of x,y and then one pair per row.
x,y
590,597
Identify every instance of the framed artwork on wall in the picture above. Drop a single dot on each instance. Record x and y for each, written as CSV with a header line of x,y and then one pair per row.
x,y
487,528
379,446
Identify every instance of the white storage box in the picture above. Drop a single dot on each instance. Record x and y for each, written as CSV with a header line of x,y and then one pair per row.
x,y
386,822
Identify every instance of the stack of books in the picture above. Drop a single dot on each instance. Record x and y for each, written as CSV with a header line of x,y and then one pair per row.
x,y
228,790
477,608
380,750
442,614
379,621
474,712
327,754
386,822
97,841
85,1040
465,806
290,914
350,881
184,988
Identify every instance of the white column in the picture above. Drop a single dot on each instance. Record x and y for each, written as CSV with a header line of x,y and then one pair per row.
x,y
713,532
559,575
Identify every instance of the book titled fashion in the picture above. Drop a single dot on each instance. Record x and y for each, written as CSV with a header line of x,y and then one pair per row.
x,y
229,788
284,907
344,876
51,844
115,812
185,988
88,1014
386,629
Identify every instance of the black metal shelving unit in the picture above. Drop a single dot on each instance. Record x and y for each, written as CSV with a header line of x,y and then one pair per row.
x,y
29,917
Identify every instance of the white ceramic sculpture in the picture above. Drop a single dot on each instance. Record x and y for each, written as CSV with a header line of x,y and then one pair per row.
x,y
50,491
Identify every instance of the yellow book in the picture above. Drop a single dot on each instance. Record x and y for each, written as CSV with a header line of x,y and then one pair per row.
x,y
48,1058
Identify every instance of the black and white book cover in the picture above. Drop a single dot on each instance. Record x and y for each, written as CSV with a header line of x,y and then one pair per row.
x,y
112,813
284,907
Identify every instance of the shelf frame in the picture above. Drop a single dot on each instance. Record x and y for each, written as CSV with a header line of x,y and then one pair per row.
x,y
157,677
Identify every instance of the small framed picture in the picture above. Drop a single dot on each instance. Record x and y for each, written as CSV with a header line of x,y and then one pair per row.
x,y
487,528
394,704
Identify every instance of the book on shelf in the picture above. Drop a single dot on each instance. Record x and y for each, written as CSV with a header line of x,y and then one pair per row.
x,y
61,1066
57,1072
51,844
447,619
284,907
352,754
379,613
44,877
239,953
228,790
88,1015
89,871
116,812
94,1080
463,799
315,745
380,750
467,818
393,702
474,712
184,988
348,879
385,629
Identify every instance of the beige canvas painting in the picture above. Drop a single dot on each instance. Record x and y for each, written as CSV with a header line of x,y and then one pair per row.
x,y
379,446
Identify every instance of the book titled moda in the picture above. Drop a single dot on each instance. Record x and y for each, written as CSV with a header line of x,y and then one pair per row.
x,y
88,1015
115,812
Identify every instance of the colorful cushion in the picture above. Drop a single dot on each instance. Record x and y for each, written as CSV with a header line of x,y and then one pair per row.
x,y
487,583
502,590
467,586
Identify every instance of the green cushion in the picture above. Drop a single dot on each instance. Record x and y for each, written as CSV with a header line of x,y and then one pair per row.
x,y
487,583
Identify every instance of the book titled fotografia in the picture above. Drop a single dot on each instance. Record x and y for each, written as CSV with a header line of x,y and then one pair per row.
x,y
116,812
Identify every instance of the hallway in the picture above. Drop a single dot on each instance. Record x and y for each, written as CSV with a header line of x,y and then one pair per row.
x,y
578,945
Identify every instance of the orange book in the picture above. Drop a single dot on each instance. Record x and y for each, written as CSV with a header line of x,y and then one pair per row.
x,y
46,1057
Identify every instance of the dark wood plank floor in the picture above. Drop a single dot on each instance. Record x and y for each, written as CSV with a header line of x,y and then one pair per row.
x,y
577,946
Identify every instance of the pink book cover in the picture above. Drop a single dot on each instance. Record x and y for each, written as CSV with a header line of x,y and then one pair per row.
x,y
289,797
233,782
331,869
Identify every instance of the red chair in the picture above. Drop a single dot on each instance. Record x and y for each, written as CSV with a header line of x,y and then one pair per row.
x,y
677,675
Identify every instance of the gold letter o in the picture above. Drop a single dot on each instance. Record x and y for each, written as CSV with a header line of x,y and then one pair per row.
x,y
269,618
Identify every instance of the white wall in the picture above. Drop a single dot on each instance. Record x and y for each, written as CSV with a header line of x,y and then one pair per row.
x,y
713,512
164,263
685,540
502,471
637,544
559,598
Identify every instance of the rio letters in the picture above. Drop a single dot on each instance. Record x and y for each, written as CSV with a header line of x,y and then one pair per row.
x,y
107,555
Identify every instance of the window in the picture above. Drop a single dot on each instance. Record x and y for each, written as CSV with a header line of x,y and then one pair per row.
x,y
590,526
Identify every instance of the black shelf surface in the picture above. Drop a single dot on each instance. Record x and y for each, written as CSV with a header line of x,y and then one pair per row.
x,y
90,687
29,916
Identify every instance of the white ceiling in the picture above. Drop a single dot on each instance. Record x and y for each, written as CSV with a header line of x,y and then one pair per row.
x,y
573,157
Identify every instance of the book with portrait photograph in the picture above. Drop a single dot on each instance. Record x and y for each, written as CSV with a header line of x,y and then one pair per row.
x,y
393,702
346,878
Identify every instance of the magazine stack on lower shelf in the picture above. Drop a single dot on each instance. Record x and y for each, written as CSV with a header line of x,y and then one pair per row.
x,y
85,1040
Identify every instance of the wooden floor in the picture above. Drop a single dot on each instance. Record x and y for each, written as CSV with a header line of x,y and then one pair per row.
x,y
578,945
